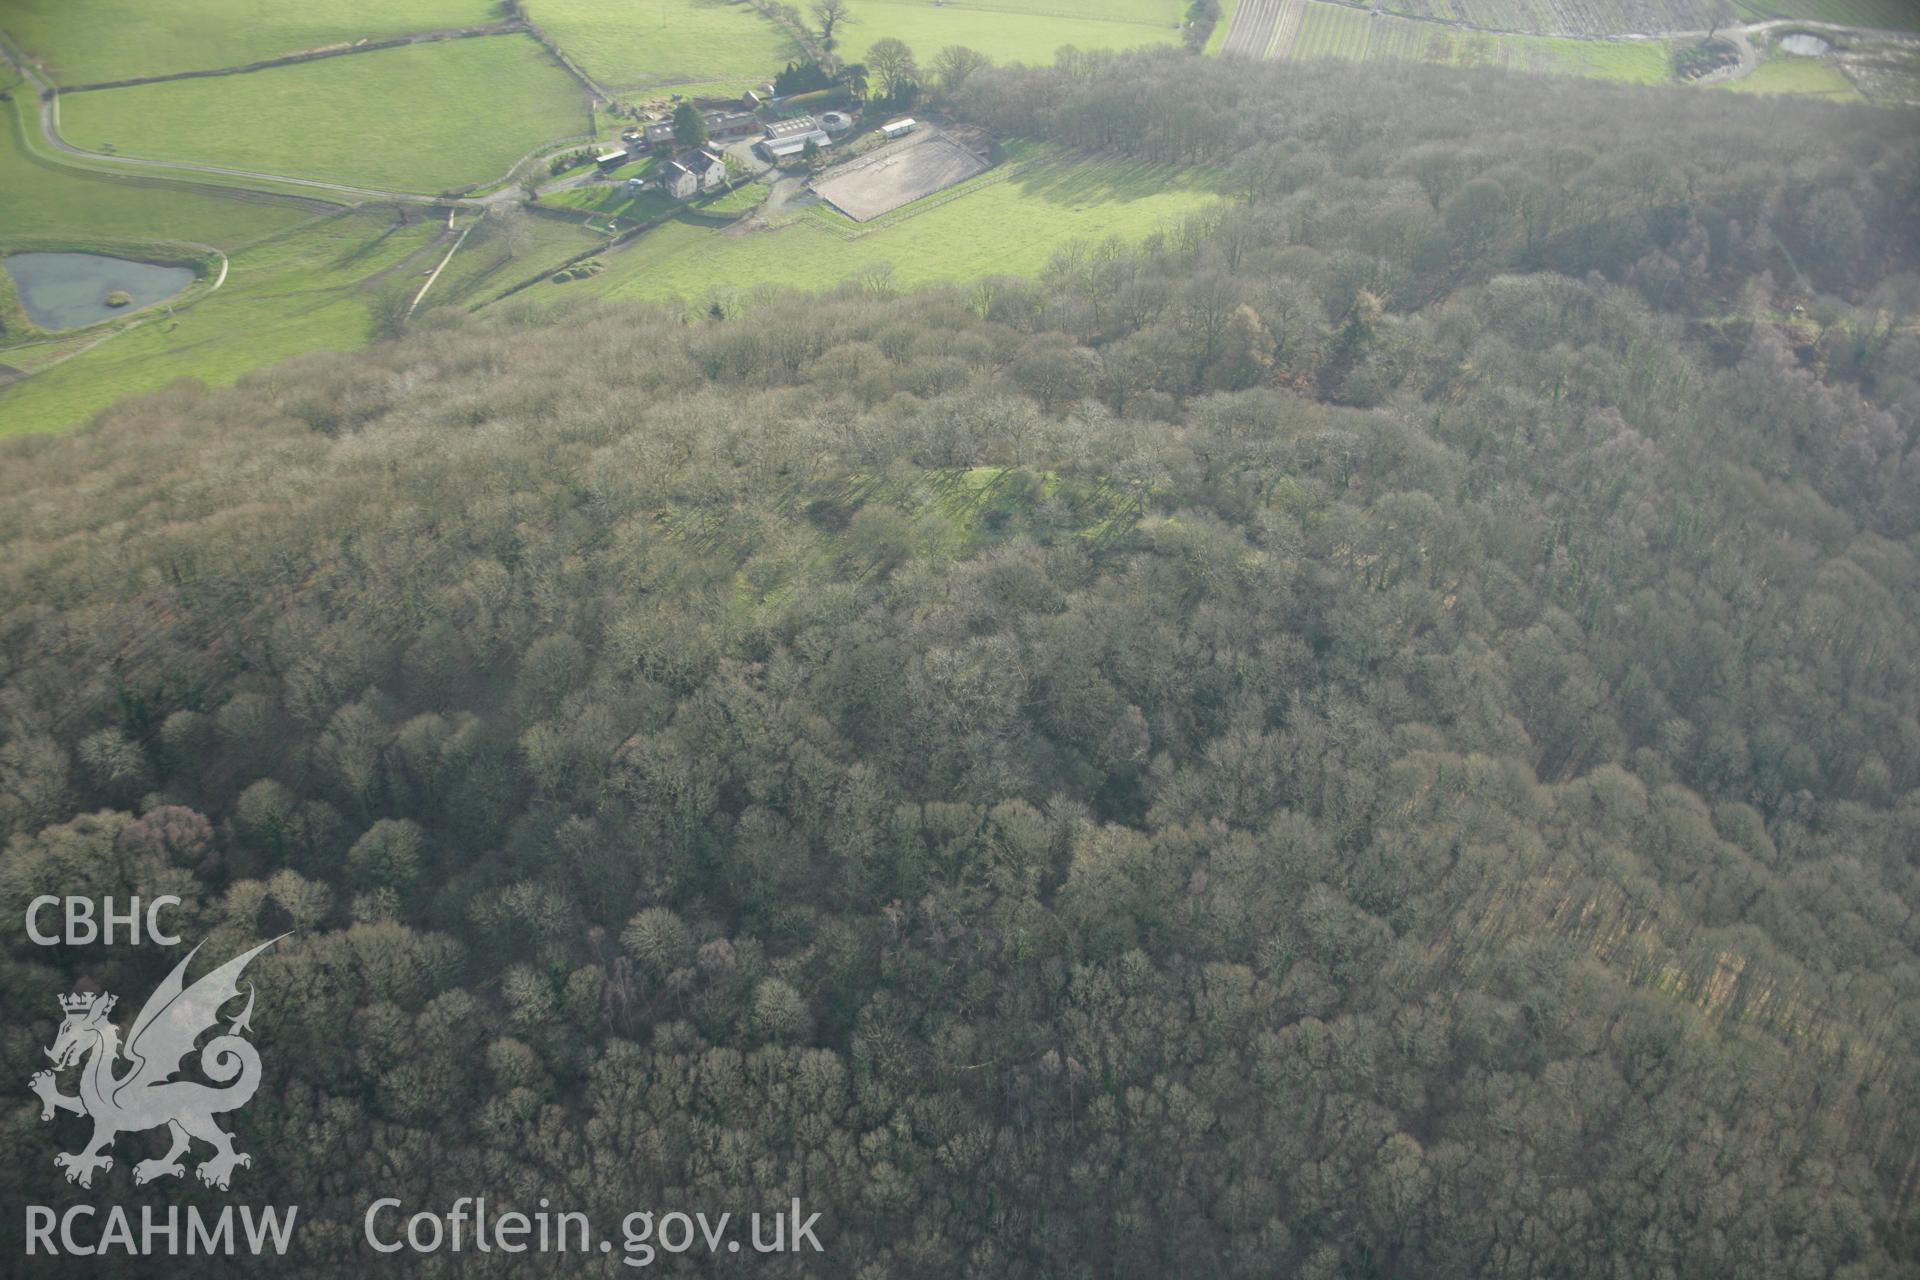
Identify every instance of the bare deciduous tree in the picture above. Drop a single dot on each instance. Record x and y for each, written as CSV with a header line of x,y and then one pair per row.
x,y
893,62
955,63
830,14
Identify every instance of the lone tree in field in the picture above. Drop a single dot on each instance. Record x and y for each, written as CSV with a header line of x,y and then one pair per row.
x,y
514,227
390,308
1720,13
830,14
893,62
689,127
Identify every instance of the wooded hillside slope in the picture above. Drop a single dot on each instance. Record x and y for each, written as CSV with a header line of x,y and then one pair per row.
x,y
1378,735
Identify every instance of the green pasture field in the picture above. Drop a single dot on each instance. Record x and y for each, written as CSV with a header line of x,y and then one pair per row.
x,y
1895,15
1636,61
1007,227
299,292
420,118
1149,12
1013,30
748,195
37,198
690,45
611,200
1335,31
85,41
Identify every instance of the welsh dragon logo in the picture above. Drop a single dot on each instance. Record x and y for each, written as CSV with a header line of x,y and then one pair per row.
x,y
144,1095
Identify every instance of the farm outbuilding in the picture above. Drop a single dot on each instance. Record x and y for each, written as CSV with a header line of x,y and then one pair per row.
x,y
793,126
788,138
732,124
777,149
899,128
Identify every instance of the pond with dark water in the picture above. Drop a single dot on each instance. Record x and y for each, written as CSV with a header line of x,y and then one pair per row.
x,y
66,290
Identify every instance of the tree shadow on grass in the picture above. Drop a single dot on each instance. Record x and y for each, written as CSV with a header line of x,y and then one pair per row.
x,y
366,247
1090,180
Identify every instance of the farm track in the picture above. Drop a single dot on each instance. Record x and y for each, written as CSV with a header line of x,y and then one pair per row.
x,y
1749,59
435,273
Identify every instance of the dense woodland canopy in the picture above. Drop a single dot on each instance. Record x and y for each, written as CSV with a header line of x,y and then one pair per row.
x,y
1377,734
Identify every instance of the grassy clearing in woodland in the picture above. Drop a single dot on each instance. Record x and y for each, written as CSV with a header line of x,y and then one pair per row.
x,y
421,118
84,41
1785,73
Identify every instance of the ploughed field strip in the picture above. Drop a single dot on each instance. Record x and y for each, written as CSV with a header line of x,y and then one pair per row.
x,y
899,174
1335,31
1253,27
1265,28
1624,17
1286,36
